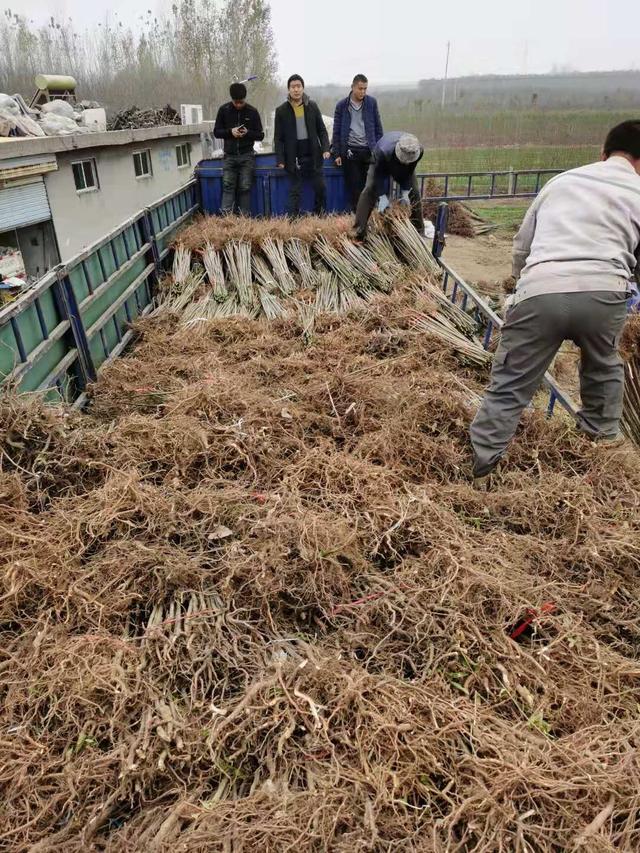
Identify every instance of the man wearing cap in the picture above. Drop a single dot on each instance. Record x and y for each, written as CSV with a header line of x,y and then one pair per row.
x,y
239,124
396,156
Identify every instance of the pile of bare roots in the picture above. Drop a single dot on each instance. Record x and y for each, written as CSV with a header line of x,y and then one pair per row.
x,y
461,220
251,603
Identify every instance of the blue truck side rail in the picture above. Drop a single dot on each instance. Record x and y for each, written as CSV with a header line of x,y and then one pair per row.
x,y
58,334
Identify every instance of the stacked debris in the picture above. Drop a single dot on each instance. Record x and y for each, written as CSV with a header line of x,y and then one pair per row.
x,y
134,118
52,118
14,122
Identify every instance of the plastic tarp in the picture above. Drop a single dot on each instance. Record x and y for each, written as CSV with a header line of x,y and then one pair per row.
x,y
59,108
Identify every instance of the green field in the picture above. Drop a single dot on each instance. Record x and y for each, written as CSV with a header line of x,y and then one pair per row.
x,y
502,158
506,216
477,127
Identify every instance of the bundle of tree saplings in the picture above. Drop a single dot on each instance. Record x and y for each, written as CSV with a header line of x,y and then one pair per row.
x,y
263,269
250,600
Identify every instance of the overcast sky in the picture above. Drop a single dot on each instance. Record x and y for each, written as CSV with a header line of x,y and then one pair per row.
x,y
404,40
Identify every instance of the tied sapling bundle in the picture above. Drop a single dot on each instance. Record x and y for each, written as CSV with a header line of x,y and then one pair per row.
x,y
238,258
274,250
412,245
299,254
181,264
215,272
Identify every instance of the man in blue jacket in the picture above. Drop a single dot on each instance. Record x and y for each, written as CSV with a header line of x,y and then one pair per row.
x,y
396,155
356,129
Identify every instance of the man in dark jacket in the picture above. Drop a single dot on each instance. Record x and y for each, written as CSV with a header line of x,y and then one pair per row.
x,y
301,142
238,123
356,129
396,156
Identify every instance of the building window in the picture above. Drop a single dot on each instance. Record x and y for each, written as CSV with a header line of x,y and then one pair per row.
x,y
85,176
142,163
183,155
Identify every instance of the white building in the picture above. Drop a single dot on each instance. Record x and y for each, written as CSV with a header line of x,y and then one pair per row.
x,y
59,194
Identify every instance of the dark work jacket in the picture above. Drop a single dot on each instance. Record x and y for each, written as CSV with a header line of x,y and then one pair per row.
x,y
387,164
342,125
285,135
229,117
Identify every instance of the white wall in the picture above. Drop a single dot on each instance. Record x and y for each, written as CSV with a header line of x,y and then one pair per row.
x,y
81,218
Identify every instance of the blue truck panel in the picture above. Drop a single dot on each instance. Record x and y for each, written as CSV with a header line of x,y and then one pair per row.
x,y
270,189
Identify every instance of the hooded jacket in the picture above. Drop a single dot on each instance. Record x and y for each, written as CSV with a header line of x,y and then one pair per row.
x,y
285,135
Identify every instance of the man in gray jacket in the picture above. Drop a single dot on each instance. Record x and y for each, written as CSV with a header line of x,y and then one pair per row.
x,y
574,256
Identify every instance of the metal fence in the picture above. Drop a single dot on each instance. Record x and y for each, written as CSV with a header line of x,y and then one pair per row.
x,y
75,319
463,186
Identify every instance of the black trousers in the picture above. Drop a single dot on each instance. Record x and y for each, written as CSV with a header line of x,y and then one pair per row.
x,y
307,170
355,165
370,195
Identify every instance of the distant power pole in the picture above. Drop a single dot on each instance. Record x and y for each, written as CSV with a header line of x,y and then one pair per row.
x,y
446,73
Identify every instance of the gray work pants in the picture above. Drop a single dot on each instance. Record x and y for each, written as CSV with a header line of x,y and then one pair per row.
x,y
531,336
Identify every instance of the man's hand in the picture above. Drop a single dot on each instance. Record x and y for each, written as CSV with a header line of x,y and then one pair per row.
x,y
326,155
280,165
509,284
237,133
338,161
383,203
404,198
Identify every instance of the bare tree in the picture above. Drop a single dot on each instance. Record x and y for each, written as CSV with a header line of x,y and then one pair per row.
x,y
191,55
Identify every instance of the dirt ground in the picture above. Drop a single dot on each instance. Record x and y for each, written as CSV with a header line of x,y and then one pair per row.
x,y
483,261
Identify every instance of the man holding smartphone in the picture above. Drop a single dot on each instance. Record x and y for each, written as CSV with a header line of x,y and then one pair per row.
x,y
239,125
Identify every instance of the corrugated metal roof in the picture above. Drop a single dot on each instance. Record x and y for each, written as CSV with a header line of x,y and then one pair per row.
x,y
23,205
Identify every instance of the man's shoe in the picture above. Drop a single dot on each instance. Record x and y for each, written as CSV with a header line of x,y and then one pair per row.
x,y
482,475
612,441
608,441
